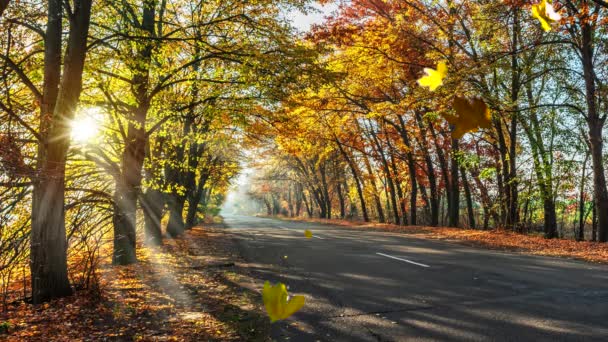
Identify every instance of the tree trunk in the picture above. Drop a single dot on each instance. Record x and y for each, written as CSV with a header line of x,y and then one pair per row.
x,y
353,169
595,124
194,199
411,166
341,200
581,220
127,192
469,198
176,225
372,179
454,199
129,185
48,251
434,199
153,204
3,6
123,220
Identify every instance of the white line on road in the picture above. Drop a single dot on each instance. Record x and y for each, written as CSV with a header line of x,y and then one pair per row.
x,y
408,261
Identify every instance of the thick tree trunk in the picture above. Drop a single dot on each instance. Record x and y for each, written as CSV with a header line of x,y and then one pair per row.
x,y
595,124
123,220
176,225
48,251
128,186
194,199
127,191
550,218
3,6
153,203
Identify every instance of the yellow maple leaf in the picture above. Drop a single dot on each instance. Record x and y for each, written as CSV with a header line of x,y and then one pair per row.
x,y
434,78
308,234
276,302
470,116
545,13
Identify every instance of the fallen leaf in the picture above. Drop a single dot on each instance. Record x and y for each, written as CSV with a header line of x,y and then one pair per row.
x,y
470,116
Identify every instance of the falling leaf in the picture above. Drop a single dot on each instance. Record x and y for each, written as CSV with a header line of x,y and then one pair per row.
x,y
470,116
308,234
275,299
434,78
545,13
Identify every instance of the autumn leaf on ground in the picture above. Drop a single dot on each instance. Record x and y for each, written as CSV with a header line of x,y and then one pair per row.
x,y
545,13
434,78
308,234
470,116
275,299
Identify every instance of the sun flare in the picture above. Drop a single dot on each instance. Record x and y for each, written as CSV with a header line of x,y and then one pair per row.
x,y
85,127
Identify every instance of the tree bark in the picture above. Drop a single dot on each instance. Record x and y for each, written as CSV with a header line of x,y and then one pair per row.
x,y
153,203
454,199
430,168
595,122
48,251
468,197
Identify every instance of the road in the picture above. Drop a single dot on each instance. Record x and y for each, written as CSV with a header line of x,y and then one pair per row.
x,y
378,286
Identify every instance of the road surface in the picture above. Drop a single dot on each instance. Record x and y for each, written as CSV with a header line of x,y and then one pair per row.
x,y
378,286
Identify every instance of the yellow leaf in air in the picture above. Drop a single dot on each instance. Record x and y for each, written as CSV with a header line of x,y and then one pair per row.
x,y
308,234
276,302
434,78
470,116
545,13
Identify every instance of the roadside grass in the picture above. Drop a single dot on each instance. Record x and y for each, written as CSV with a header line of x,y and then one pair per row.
x,y
495,239
187,290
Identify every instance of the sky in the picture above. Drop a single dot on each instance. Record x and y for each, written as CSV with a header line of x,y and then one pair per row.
x,y
304,22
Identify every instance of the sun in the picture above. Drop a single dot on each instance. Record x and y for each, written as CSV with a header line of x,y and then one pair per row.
x,y
85,126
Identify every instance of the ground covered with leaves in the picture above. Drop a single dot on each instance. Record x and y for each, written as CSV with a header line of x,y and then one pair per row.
x,y
190,289
496,239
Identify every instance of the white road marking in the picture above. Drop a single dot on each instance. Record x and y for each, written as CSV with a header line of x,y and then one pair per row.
x,y
405,260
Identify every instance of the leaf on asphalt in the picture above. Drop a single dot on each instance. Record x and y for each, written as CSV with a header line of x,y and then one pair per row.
x,y
308,234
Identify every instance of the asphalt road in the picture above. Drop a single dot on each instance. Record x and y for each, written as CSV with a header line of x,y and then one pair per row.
x,y
377,286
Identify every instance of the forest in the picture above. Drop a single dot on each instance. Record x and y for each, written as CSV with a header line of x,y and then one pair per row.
x,y
124,124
